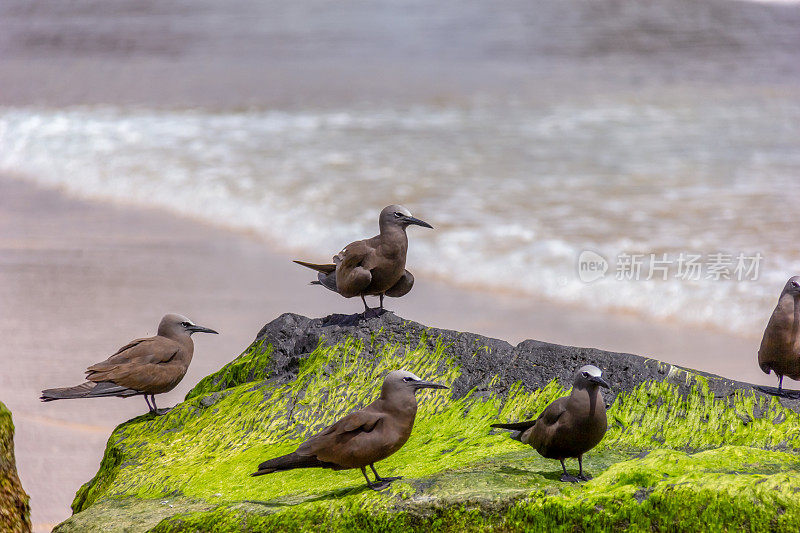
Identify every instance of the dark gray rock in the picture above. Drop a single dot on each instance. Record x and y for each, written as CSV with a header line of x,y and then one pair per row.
x,y
482,359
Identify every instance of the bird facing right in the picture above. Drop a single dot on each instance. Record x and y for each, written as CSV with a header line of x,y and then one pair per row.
x,y
146,367
570,426
363,437
780,347
372,267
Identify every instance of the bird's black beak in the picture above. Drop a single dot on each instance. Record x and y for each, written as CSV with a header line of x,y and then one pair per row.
x,y
200,329
418,222
429,385
600,381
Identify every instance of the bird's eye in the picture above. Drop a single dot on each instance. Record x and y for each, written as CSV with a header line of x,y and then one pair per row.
x,y
397,214
185,324
795,284
407,379
586,374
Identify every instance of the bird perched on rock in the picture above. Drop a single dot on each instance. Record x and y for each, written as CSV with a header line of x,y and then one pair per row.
x,y
570,426
363,437
373,267
780,347
149,366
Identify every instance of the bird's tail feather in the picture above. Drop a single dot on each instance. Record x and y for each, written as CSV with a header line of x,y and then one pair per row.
x,y
325,269
87,390
287,462
327,280
517,428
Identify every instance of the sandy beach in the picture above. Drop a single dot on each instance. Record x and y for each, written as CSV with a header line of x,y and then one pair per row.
x,y
79,278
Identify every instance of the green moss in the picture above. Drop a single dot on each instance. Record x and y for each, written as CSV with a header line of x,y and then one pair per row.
x,y
459,474
130,514
14,503
655,414
252,365
667,490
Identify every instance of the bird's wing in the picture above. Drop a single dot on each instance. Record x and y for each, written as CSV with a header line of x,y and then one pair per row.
x,y
517,426
344,429
779,341
141,351
553,412
352,268
402,287
549,416
546,426
140,365
353,254
325,269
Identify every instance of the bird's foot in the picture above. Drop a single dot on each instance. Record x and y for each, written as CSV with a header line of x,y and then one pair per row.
x,y
379,485
389,479
782,393
569,478
372,312
584,477
163,411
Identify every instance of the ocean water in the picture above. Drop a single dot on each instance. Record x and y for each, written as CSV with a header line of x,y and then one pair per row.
x,y
515,191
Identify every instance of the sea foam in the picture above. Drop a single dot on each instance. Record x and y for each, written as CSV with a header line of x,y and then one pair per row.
x,y
516,194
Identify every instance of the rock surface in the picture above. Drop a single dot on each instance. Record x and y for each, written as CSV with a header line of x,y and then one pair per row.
x,y
14,506
684,449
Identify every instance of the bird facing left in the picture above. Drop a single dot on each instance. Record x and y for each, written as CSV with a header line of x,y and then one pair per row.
x,y
148,366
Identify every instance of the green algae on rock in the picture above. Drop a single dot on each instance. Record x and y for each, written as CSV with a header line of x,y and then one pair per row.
x,y
681,446
14,506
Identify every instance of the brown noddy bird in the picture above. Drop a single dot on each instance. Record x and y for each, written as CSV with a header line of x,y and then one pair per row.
x,y
780,347
373,267
570,426
363,437
149,366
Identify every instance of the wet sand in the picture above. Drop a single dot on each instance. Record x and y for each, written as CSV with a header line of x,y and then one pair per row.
x,y
79,278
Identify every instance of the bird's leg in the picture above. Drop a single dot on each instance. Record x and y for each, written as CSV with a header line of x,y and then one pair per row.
x,y
381,311
156,410
581,475
566,476
149,407
793,395
378,485
379,478
367,311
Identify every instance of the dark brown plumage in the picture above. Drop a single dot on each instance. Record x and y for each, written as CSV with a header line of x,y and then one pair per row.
x,y
570,426
372,267
149,366
363,437
780,348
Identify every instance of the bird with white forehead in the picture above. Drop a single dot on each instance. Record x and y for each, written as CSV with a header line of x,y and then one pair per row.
x,y
570,426
372,267
146,367
363,437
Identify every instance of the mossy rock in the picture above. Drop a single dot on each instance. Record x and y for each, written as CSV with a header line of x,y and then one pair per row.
x,y
15,510
684,451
